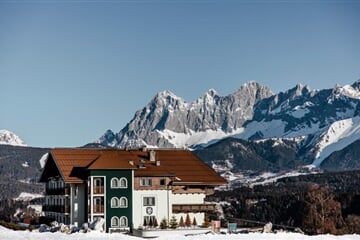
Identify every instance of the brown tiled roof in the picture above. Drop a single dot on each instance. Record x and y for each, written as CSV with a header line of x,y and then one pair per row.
x,y
185,166
67,159
182,165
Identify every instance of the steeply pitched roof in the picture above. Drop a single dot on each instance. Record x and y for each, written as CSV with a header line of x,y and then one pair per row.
x,y
182,165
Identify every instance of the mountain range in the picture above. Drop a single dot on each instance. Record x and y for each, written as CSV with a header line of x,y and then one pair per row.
x,y
313,123
250,130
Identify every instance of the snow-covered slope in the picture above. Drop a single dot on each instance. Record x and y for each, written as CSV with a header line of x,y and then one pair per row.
x,y
338,135
9,138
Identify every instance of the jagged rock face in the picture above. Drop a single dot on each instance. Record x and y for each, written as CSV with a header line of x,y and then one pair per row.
x,y
318,121
166,111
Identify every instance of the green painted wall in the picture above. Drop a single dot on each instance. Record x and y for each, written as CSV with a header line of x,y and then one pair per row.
x,y
117,192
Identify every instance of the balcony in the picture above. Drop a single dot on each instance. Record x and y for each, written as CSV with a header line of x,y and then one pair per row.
x,y
56,208
98,189
185,208
58,191
98,209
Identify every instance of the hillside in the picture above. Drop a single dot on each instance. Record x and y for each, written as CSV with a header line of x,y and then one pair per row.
x,y
20,170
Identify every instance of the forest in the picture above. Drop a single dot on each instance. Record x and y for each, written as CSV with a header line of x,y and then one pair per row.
x,y
315,204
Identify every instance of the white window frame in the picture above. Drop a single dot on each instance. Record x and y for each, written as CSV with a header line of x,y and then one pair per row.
x,y
123,218
145,182
114,202
123,205
115,224
114,183
149,203
121,181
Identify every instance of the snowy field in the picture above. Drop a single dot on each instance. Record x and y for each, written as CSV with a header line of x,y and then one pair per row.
x,y
6,234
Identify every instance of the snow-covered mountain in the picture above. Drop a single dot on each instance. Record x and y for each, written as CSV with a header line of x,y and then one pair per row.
x,y
318,121
9,138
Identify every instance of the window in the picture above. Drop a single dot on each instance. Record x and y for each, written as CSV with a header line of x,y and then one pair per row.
x,y
149,201
123,221
114,183
114,202
114,222
145,182
162,182
76,208
123,202
123,182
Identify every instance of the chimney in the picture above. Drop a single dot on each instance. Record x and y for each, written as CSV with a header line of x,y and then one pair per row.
x,y
152,156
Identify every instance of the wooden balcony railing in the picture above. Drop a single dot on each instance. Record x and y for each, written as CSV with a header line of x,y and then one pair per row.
x,y
56,208
185,208
98,209
58,191
98,189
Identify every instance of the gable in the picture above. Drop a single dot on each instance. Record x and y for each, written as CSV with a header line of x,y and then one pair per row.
x,y
50,170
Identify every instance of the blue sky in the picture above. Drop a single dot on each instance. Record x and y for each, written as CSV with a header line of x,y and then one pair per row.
x,y
70,70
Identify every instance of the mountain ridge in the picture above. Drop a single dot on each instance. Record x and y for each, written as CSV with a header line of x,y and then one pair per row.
x,y
252,112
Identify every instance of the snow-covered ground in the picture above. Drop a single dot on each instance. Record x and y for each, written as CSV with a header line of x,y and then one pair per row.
x,y
6,234
24,196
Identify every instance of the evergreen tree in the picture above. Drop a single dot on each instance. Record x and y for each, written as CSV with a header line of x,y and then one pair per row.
x,y
163,223
206,223
181,223
145,223
187,220
173,222
194,223
155,223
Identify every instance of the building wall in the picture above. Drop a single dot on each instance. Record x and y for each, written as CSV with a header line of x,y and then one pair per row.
x,y
190,198
110,193
161,209
78,200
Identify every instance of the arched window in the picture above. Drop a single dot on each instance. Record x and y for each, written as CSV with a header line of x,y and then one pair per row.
x,y
123,182
123,221
123,202
114,183
115,202
115,222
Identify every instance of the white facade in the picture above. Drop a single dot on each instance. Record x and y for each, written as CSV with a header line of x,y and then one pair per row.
x,y
189,198
162,207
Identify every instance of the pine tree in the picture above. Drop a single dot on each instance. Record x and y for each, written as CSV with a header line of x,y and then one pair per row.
x,y
150,222
206,223
187,220
194,223
155,223
163,223
181,223
173,222
145,223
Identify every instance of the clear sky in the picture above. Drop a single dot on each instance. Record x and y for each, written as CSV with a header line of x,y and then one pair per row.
x,y
70,70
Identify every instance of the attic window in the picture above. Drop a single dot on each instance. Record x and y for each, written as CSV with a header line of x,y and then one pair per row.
x,y
145,182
